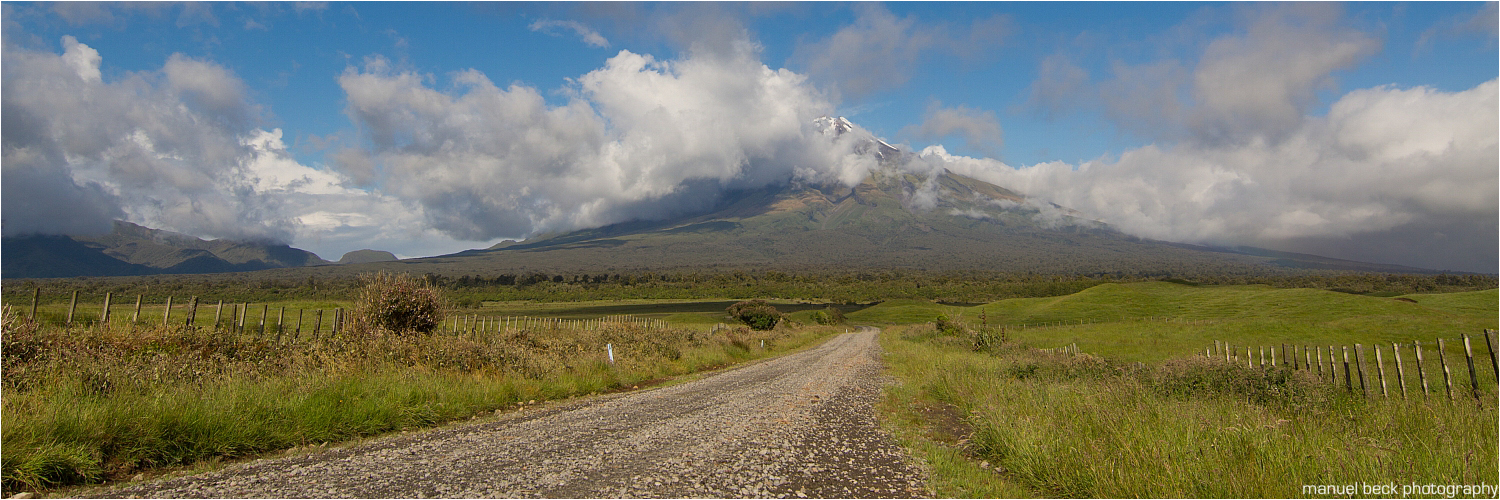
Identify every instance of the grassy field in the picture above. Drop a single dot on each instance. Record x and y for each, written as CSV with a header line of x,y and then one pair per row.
x,y
90,403
1154,322
1139,415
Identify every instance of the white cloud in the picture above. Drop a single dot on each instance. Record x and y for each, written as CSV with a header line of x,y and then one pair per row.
x,y
1059,85
1239,95
880,51
979,129
1384,160
588,35
83,59
173,149
639,138
272,168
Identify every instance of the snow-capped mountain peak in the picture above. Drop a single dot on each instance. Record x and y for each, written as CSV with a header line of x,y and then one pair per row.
x,y
835,127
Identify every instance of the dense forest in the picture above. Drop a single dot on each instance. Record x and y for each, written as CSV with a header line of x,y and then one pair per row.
x,y
845,288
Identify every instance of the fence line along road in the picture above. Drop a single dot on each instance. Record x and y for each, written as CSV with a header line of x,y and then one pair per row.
x,y
1289,354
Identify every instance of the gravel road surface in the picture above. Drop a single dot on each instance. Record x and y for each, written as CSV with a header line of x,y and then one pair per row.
x,y
802,425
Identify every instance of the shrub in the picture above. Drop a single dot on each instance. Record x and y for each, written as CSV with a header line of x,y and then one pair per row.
x,y
398,303
757,314
828,316
946,326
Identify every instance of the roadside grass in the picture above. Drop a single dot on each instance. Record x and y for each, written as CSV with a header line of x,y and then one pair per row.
x,y
1083,426
88,404
1152,322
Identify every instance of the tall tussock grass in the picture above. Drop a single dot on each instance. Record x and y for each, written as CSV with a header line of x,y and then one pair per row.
x,y
87,404
1083,426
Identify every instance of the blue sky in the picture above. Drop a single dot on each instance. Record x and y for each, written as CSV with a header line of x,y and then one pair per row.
x,y
1197,122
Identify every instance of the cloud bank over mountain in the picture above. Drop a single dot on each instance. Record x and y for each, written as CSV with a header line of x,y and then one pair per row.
x,y
637,138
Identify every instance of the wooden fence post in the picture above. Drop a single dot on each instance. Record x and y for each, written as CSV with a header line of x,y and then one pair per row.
x,y
266,310
1421,374
1348,382
218,314
36,295
1447,378
280,319
1380,371
192,311
1469,356
1333,371
72,305
299,323
1489,346
137,316
104,315
1320,360
1306,359
167,314
1262,351
317,324
1400,371
1359,364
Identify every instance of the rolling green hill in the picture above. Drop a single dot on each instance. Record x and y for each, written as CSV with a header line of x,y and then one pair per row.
x,y
1151,321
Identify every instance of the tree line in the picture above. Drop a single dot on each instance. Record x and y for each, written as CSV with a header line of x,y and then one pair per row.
x,y
831,287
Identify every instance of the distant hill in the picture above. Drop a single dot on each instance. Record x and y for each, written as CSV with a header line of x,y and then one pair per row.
x,y
367,256
136,250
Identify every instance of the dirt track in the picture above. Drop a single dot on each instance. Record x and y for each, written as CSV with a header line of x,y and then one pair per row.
x,y
798,426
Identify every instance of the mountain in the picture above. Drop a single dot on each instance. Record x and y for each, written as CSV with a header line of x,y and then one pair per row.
x,y
131,250
895,218
366,256
904,215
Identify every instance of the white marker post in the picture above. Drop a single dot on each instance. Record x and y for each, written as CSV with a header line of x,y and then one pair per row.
x,y
611,349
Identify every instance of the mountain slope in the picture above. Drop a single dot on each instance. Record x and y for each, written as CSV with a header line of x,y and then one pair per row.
x,y
60,257
136,250
894,219
900,216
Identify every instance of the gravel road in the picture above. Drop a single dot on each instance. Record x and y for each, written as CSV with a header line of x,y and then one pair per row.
x,y
802,425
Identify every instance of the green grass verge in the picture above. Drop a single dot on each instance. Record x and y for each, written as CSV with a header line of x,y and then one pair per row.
x,y
1080,426
85,405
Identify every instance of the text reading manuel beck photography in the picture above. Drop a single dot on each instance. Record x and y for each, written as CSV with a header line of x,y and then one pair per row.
x,y
1481,490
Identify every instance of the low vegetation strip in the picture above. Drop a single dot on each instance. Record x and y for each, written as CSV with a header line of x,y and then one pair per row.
x,y
86,404
1057,424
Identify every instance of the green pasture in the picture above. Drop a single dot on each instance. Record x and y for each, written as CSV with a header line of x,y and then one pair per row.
x,y
1039,424
1154,321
